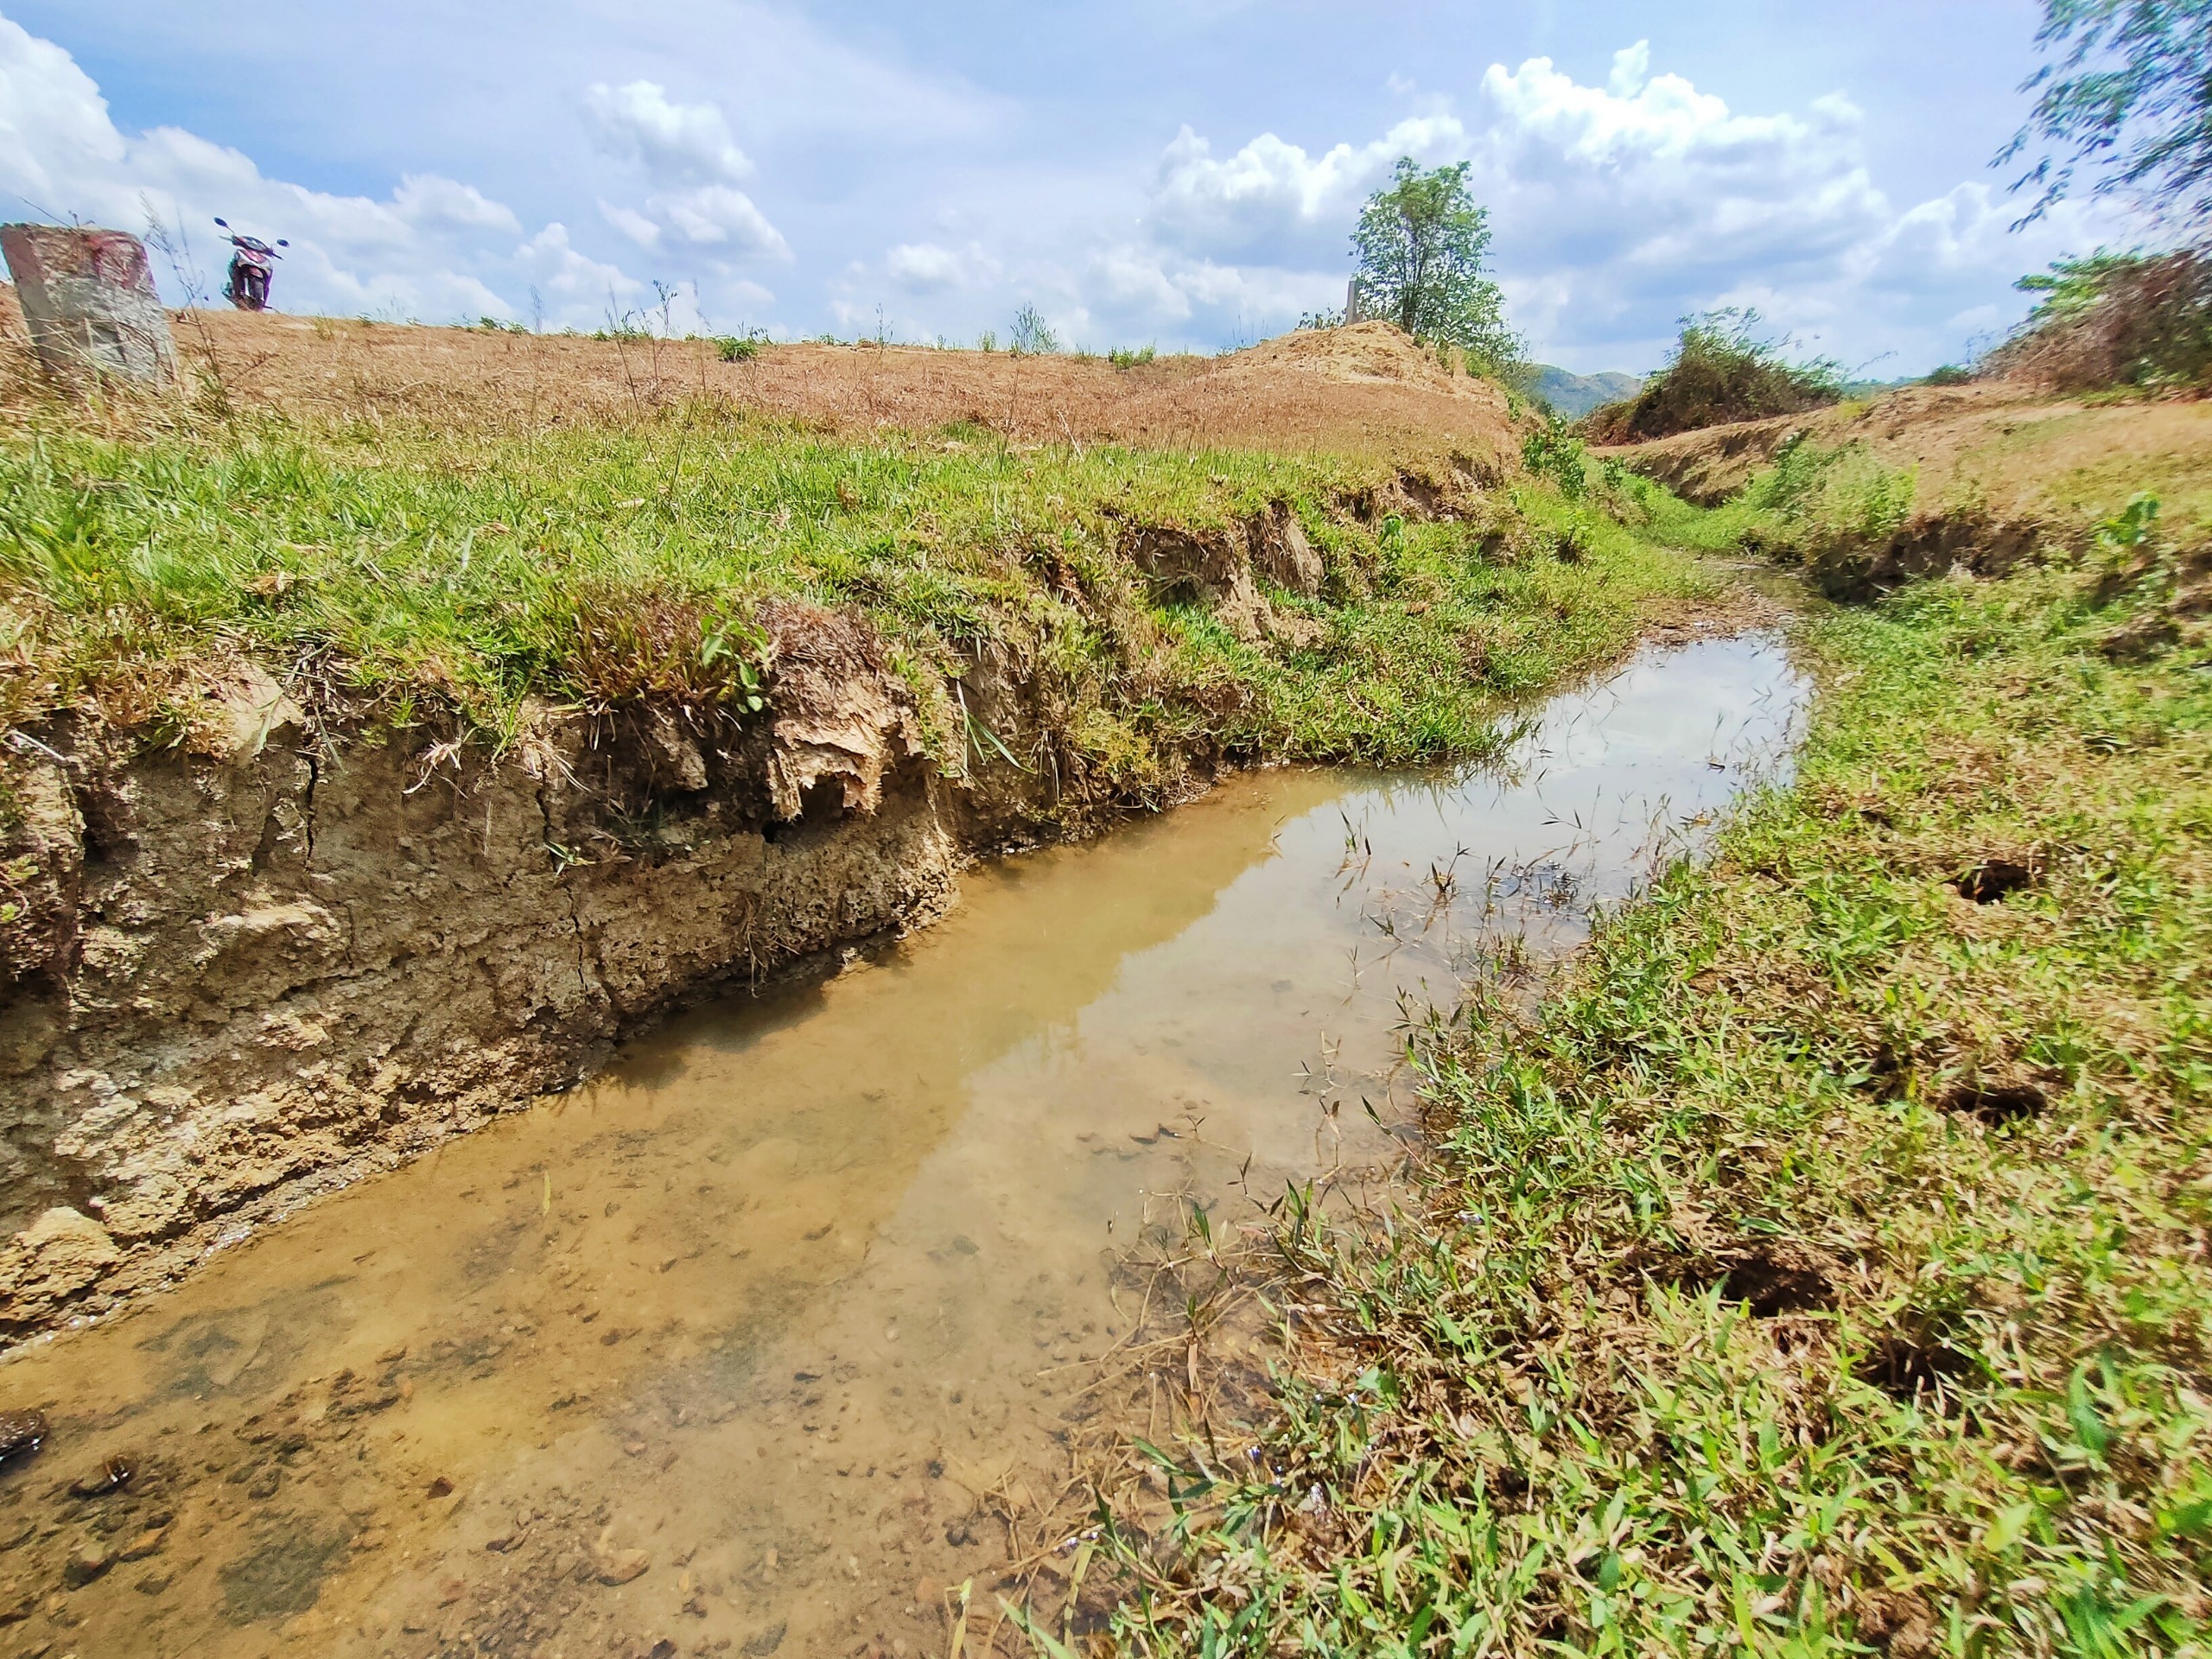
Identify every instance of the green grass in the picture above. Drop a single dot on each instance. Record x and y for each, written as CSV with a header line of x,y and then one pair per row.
x,y
404,570
1811,499
1824,1268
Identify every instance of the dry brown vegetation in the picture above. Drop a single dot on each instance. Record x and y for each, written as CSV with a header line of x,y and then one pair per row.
x,y
1366,390
1722,371
2116,319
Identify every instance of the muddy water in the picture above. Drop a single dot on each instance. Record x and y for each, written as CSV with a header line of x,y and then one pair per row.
x,y
748,1346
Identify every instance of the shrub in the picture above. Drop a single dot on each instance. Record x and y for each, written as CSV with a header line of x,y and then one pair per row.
x,y
2115,320
1722,371
1553,451
739,348
1949,375
1125,358
1032,336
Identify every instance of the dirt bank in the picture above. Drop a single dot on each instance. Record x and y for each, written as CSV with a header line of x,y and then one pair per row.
x,y
370,760
279,956
2008,452
276,935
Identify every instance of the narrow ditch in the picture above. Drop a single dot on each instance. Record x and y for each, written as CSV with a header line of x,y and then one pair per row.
x,y
781,1328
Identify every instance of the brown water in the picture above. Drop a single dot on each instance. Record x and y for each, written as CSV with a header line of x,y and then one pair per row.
x,y
753,1344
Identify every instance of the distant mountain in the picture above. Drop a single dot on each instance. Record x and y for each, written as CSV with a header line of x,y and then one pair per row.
x,y
1575,395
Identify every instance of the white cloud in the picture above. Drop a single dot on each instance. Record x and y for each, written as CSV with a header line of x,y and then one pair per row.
x,y
716,216
714,219
1616,209
559,268
677,143
632,223
1272,201
689,165
924,267
427,199
436,248
1648,198
1631,69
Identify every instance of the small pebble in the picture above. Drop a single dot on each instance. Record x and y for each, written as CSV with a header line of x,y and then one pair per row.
x,y
86,1562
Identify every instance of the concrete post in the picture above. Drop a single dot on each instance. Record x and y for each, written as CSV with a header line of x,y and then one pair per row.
x,y
88,298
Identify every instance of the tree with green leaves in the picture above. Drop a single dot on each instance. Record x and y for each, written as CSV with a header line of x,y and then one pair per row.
x,y
1420,246
2127,93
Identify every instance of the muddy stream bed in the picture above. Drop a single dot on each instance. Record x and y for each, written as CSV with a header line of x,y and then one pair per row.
x,y
745,1345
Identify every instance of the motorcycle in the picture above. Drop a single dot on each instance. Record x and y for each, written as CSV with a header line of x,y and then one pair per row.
x,y
253,267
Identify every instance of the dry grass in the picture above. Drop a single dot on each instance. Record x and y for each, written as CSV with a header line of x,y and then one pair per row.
x,y
1721,372
1365,391
2010,449
2115,320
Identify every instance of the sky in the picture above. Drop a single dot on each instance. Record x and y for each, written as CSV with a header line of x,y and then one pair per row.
x,y
1178,173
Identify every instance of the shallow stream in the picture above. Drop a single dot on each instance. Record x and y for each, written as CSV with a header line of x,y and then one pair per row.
x,y
751,1344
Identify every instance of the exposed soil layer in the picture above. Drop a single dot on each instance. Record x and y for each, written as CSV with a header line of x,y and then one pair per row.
x,y
277,964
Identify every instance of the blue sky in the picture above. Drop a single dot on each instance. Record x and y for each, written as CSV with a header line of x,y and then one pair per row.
x,y
1178,172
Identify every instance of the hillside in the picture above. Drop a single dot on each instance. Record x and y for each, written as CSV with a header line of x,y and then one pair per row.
x,y
1574,396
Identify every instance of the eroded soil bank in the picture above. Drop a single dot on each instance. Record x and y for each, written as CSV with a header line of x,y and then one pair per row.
x,y
273,916
782,1328
291,961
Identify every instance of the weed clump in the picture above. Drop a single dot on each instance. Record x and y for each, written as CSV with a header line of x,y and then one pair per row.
x,y
2115,320
1553,453
1722,371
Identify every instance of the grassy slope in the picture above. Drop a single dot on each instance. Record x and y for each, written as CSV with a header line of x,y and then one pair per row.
x,y
588,565
1753,1310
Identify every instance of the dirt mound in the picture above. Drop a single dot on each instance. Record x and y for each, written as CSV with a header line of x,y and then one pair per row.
x,y
1998,449
1372,353
1361,390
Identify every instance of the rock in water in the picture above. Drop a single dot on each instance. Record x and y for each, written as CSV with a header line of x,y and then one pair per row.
x,y
21,1433
113,1474
86,1562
